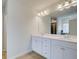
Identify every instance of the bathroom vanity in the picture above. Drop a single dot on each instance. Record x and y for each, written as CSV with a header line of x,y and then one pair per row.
x,y
55,46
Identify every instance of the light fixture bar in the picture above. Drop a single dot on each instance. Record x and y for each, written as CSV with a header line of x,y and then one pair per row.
x,y
67,5
43,13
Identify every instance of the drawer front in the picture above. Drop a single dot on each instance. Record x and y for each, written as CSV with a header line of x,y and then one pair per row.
x,y
46,48
46,44
65,44
46,54
36,44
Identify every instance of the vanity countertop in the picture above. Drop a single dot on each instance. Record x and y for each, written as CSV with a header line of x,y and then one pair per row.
x,y
68,38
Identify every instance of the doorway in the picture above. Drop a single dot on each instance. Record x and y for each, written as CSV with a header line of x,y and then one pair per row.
x,y
54,25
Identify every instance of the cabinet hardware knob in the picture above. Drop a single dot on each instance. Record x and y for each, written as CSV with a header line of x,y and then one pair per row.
x,y
63,48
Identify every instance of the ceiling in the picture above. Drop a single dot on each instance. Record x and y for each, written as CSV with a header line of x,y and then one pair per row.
x,y
35,4
39,5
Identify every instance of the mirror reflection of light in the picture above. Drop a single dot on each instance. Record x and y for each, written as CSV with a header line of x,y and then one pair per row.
x,y
74,1
59,6
66,4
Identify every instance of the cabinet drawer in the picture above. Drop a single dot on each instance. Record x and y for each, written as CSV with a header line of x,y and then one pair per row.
x,y
46,48
37,44
45,44
45,41
65,44
46,54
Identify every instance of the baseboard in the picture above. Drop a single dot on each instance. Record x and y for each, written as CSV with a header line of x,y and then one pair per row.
x,y
23,53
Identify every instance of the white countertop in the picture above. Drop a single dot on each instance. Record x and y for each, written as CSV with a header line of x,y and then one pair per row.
x,y
68,38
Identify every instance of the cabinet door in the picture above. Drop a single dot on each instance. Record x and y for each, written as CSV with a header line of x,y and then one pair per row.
x,y
56,52
46,48
70,53
36,44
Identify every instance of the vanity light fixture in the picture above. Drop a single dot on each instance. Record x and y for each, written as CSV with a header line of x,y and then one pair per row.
x,y
60,6
43,13
39,14
67,5
46,12
74,1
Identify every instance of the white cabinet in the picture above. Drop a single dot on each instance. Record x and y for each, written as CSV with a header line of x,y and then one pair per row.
x,y
63,50
56,52
46,48
54,49
59,52
41,46
70,53
37,44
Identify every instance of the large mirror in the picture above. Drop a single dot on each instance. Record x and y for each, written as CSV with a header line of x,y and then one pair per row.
x,y
64,22
62,16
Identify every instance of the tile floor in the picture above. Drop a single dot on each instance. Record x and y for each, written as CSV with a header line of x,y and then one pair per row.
x,y
31,55
4,55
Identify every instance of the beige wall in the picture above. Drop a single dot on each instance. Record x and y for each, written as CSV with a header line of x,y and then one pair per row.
x,y
21,23
73,27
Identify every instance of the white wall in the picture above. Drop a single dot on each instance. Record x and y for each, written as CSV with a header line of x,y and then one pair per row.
x,y
41,25
21,23
73,27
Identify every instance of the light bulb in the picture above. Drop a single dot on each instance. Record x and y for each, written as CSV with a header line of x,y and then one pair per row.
x,y
66,4
39,14
74,1
42,14
46,12
59,6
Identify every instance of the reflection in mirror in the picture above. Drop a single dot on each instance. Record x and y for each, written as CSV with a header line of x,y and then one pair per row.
x,y
53,25
64,22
